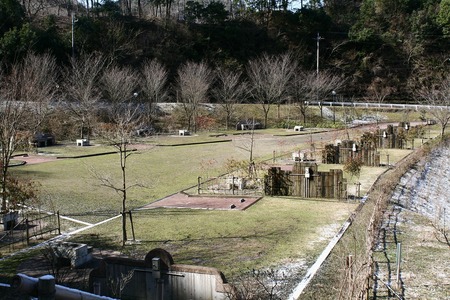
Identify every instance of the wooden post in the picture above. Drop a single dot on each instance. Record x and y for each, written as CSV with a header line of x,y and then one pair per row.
x,y
199,182
273,158
349,269
340,190
132,225
349,265
399,259
28,231
232,184
336,187
306,191
59,222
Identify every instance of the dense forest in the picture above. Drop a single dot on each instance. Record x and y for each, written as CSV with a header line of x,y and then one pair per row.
x,y
380,47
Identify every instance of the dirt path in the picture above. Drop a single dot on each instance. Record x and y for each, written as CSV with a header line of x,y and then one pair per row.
x,y
35,159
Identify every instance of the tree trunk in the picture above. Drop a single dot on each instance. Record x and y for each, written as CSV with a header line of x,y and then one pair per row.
x,y
139,8
123,160
266,117
3,192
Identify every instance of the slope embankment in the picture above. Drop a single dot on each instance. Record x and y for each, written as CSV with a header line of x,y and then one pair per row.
x,y
363,263
413,250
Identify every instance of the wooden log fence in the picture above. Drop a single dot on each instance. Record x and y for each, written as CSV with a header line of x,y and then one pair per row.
x,y
306,181
30,228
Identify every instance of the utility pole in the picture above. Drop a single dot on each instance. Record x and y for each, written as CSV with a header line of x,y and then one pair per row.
x,y
73,36
318,38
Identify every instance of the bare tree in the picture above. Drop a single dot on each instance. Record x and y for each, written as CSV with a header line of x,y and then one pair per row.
x,y
58,261
438,99
194,80
229,91
307,86
269,77
40,80
299,93
154,85
118,284
83,91
124,116
441,228
248,145
377,92
259,284
24,96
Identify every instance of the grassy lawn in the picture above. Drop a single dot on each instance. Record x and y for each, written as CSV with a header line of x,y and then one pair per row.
x,y
272,231
157,170
70,149
76,189
367,177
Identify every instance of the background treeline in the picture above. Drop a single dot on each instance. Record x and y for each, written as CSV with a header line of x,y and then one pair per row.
x,y
383,48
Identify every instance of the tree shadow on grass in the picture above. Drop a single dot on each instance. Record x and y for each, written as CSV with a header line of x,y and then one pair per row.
x,y
98,241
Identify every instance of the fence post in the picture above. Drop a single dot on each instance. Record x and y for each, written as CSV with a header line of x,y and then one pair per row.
x,y
59,223
27,229
232,184
132,225
399,259
349,269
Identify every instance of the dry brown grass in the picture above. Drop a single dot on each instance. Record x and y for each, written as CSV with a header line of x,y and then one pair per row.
x,y
353,282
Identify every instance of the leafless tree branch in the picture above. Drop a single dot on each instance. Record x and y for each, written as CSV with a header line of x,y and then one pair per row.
x,y
438,99
154,85
269,77
229,91
82,90
194,80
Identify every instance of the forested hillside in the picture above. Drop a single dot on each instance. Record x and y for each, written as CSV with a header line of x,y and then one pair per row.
x,y
383,48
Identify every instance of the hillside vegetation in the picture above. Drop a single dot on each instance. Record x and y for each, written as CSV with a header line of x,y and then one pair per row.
x,y
381,47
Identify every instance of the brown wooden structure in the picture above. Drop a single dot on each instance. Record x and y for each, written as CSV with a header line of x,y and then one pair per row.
x,y
365,150
392,137
396,137
306,181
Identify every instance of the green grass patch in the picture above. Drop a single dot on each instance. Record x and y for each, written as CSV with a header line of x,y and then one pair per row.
x,y
67,148
272,230
8,267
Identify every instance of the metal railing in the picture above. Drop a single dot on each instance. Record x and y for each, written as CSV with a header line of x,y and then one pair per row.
x,y
374,105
